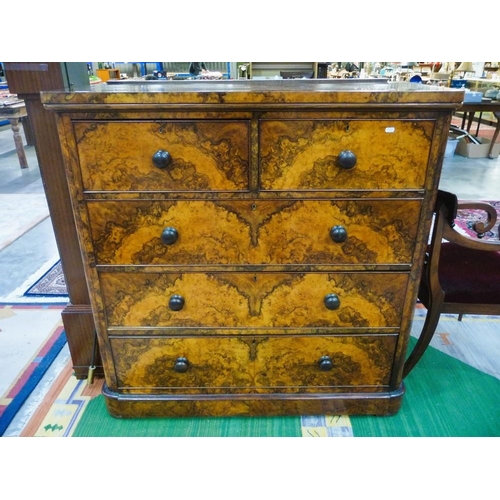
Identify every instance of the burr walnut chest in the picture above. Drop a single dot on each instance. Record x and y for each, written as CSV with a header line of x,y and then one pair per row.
x,y
253,247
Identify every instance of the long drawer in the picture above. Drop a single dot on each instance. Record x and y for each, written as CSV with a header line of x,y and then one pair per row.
x,y
344,154
164,156
290,364
253,300
254,232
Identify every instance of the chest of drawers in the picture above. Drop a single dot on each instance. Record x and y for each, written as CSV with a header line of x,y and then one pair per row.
x,y
253,248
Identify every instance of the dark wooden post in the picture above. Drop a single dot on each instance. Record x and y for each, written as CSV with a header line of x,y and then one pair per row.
x,y
27,80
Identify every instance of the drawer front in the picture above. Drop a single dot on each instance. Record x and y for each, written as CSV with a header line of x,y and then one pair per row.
x,y
259,232
260,300
303,154
285,364
206,155
324,362
151,363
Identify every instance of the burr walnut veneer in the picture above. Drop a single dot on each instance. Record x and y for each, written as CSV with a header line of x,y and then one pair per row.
x,y
253,247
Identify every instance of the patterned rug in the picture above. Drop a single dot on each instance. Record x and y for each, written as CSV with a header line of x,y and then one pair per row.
x,y
47,341
52,283
46,286
467,218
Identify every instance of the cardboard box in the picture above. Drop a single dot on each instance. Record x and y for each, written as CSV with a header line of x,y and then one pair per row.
x,y
471,150
451,145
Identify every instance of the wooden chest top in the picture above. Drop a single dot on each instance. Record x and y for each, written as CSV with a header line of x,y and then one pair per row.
x,y
255,93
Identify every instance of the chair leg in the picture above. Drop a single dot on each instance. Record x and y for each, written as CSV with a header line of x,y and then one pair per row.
x,y
423,341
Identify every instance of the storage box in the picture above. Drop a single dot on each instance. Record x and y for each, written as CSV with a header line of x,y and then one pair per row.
x,y
108,74
457,84
471,150
471,96
451,145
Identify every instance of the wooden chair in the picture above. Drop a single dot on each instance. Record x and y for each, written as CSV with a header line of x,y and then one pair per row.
x,y
461,274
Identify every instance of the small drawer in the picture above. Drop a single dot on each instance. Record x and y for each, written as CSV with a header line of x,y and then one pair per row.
x,y
260,232
164,156
344,154
276,301
254,364
174,363
322,363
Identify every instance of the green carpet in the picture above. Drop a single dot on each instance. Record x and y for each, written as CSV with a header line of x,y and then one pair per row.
x,y
96,422
444,398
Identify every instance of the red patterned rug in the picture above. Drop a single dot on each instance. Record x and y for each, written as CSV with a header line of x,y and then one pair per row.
x,y
466,219
485,129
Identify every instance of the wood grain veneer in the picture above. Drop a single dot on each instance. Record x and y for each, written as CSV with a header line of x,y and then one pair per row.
x,y
252,232
270,265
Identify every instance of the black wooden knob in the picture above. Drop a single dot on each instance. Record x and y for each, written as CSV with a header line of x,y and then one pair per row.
x,y
181,365
332,301
325,363
162,159
176,302
169,235
346,159
338,234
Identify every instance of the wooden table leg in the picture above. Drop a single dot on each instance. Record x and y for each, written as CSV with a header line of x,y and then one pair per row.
x,y
18,141
470,120
464,118
479,123
495,134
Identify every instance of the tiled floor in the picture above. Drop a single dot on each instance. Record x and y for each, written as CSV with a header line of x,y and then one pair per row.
x,y
21,258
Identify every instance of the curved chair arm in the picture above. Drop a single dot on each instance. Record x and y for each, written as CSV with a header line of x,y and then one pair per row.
x,y
453,236
480,227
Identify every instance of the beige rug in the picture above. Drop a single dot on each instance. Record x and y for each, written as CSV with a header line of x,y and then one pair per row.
x,y
18,214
